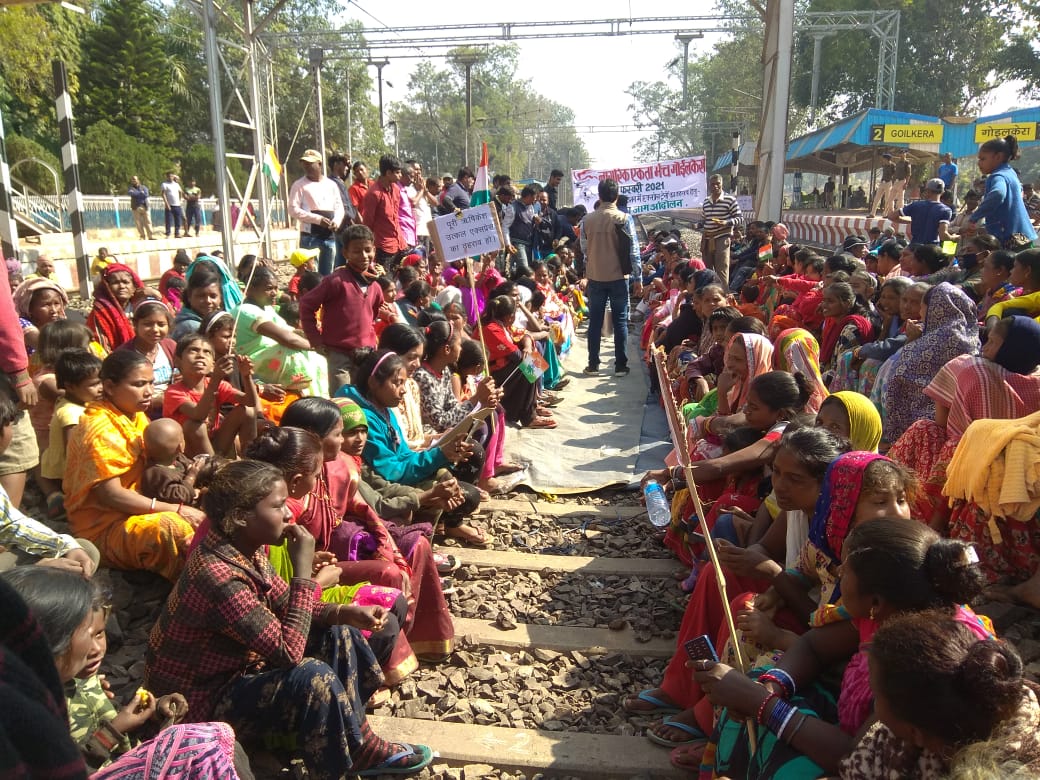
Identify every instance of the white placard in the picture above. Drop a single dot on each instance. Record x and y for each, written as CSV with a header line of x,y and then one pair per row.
x,y
474,233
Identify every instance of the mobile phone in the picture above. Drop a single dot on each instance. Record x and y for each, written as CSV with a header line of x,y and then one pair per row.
x,y
701,649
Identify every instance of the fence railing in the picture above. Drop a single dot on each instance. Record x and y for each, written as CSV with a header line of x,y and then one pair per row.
x,y
107,212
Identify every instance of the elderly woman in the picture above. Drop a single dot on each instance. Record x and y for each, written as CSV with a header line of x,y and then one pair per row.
x,y
105,461
109,318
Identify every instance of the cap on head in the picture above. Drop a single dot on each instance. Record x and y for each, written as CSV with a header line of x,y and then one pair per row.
x,y
310,156
853,241
887,156
935,185
300,256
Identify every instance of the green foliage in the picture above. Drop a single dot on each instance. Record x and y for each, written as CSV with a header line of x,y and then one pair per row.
x,y
527,134
109,157
126,75
33,174
949,53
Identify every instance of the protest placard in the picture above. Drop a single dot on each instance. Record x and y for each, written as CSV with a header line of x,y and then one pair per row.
x,y
474,232
669,184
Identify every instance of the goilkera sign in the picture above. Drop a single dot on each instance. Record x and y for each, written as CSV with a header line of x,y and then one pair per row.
x,y
906,134
668,184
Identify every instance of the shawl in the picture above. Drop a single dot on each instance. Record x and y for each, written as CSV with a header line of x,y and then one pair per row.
x,y
978,389
950,329
759,360
107,319
23,293
864,420
797,351
832,329
1020,352
836,506
997,466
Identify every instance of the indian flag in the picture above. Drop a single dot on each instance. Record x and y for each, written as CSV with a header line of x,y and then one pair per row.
x,y
533,367
272,168
482,186
765,252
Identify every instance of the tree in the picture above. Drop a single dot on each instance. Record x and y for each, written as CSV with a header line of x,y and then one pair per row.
x,y
526,133
21,149
109,157
126,75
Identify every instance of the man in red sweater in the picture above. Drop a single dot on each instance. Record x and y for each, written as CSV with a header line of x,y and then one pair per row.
x,y
381,209
22,454
349,300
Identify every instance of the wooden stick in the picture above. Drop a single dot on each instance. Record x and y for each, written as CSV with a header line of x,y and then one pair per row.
x,y
480,330
678,434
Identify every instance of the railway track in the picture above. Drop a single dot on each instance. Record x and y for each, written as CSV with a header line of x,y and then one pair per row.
x,y
538,693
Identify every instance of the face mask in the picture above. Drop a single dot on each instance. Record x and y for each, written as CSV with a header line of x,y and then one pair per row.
x,y
968,261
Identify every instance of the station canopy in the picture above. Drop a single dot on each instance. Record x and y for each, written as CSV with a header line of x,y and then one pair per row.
x,y
857,142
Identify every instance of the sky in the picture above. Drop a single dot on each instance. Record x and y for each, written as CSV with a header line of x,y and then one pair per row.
x,y
597,96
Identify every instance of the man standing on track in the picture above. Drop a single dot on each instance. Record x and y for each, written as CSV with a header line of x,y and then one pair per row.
x,y
608,239
721,215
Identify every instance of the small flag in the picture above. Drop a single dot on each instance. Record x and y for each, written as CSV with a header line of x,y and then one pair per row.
x,y
765,252
272,168
533,367
481,185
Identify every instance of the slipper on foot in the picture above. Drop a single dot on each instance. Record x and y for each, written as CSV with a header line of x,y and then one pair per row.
x,y
660,707
391,766
446,564
696,735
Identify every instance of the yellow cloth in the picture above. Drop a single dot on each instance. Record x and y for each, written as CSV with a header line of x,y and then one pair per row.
x,y
1027,303
864,420
997,466
107,444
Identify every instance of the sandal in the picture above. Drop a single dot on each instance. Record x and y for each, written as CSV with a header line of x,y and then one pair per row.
x,y
56,506
660,706
476,538
447,586
696,735
446,564
421,756
542,422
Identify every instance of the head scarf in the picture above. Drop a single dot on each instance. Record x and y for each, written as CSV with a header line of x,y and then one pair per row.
x,y
1020,352
23,293
797,351
836,506
864,420
107,319
832,328
229,288
759,354
352,414
950,329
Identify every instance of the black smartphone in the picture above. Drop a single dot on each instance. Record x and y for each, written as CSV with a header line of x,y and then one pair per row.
x,y
701,649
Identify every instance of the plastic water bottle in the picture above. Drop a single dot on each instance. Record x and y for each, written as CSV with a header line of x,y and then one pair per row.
x,y
658,508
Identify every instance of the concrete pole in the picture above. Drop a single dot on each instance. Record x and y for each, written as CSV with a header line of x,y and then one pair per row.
x,y
776,59
316,57
814,93
8,227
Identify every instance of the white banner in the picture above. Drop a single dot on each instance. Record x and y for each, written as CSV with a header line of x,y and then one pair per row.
x,y
669,184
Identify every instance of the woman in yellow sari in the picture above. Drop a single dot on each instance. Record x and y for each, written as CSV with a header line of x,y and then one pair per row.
x,y
104,463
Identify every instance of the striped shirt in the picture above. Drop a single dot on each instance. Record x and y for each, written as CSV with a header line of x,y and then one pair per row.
x,y
725,208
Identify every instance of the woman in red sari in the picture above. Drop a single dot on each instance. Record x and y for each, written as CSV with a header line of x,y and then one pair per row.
x,y
367,547
845,325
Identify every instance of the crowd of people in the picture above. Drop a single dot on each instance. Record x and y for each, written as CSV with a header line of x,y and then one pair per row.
x,y
861,428
283,452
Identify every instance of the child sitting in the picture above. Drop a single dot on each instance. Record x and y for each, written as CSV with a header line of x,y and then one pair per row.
x,y
303,260
77,373
708,366
195,400
169,475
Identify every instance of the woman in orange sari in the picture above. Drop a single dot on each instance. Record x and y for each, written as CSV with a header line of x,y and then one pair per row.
x,y
104,463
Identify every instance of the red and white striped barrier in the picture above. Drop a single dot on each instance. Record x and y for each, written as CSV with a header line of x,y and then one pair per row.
x,y
827,230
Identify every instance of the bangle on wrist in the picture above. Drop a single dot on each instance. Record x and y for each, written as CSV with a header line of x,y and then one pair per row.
x,y
760,717
152,507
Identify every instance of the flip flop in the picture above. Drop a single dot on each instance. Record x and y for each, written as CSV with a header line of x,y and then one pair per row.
x,y
696,735
389,767
661,707
446,564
